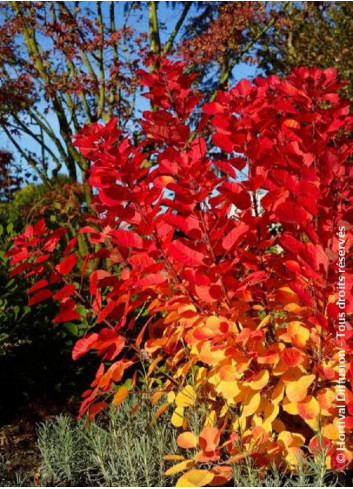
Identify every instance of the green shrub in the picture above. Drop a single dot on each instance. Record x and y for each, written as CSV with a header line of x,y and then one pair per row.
x,y
117,450
122,450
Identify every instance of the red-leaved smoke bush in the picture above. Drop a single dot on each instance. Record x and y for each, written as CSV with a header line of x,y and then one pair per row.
x,y
217,250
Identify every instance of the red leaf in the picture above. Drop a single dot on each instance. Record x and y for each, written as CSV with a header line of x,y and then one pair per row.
x,y
224,142
67,311
127,238
19,269
67,291
40,296
38,285
140,261
113,195
292,213
70,245
234,235
185,255
254,278
67,264
292,357
66,316
106,311
152,279
96,408
236,194
83,345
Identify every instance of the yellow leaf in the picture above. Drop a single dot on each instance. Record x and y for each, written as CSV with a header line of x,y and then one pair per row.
x,y
121,395
260,380
173,457
171,397
153,365
297,390
251,403
200,375
195,478
264,322
297,333
294,454
271,412
239,424
290,407
291,439
326,398
278,393
210,418
213,322
313,423
330,431
186,464
178,417
228,389
186,397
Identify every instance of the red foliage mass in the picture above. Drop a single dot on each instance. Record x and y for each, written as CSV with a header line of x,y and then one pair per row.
x,y
231,254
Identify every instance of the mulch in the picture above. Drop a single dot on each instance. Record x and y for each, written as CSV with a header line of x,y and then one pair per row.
x,y
20,459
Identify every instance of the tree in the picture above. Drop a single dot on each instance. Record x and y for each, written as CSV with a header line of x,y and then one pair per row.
x,y
63,64
316,34
10,177
58,59
220,312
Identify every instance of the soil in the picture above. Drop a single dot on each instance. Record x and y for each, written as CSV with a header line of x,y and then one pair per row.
x,y
37,381
19,454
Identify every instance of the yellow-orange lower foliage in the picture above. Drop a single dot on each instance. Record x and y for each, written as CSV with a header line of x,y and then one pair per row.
x,y
265,398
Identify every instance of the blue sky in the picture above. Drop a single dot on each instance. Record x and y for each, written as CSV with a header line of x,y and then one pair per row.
x,y
168,17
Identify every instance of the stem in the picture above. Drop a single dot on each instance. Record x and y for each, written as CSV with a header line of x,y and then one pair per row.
x,y
176,29
155,42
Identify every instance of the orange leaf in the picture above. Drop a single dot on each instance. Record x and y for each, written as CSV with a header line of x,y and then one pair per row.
x,y
161,410
121,395
173,457
187,440
209,438
292,357
309,408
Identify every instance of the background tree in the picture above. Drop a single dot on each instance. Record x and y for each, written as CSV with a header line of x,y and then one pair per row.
x,y
314,34
10,177
64,64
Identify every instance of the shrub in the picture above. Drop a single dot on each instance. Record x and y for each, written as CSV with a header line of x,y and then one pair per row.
x,y
35,355
117,450
120,450
219,252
